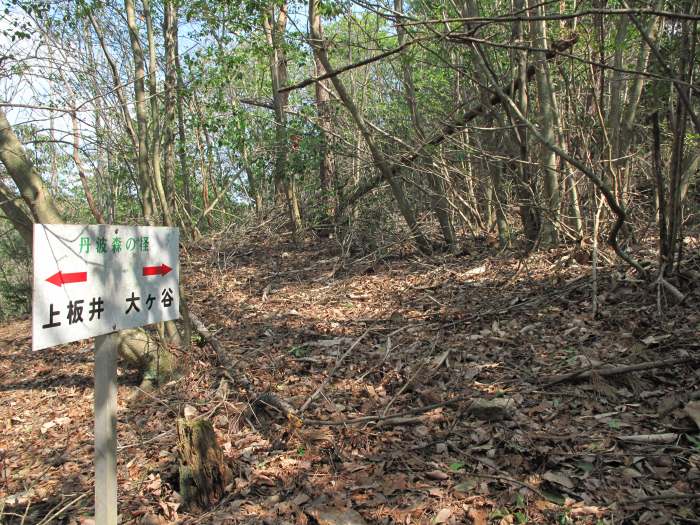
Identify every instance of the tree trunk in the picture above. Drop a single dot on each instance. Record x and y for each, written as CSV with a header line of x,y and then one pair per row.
x,y
169,104
389,172
16,214
438,198
529,211
274,28
182,153
155,148
499,196
545,95
141,113
203,472
675,204
20,168
326,169
135,346
623,128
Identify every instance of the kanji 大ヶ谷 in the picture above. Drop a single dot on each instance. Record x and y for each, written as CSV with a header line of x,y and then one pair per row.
x,y
167,299
132,300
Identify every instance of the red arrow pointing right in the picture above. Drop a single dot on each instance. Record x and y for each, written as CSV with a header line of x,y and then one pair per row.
x,y
161,269
60,278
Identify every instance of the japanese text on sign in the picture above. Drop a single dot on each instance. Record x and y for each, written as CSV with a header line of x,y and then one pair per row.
x,y
92,280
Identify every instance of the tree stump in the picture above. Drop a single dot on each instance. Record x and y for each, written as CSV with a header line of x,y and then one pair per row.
x,y
203,473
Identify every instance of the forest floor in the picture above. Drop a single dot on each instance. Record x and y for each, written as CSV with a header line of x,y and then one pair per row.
x,y
449,360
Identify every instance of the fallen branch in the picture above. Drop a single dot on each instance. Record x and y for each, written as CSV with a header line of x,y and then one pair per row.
x,y
507,479
586,373
221,354
660,497
662,282
330,374
389,418
650,439
53,515
266,399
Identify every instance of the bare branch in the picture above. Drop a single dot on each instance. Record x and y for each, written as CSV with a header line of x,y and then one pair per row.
x,y
349,67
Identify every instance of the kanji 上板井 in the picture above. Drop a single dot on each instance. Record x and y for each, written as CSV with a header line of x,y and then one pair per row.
x,y
75,311
52,313
96,308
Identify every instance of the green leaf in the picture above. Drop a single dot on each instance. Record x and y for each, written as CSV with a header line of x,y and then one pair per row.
x,y
466,486
694,440
299,351
585,466
554,497
614,423
456,466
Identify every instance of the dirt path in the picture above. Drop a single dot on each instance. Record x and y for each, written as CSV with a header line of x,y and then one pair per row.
x,y
423,334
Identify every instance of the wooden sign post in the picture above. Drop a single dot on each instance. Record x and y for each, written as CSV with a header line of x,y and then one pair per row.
x,y
91,281
106,429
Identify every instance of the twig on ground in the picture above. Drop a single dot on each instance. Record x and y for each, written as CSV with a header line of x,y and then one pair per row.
x,y
408,383
661,497
389,348
379,417
615,370
156,399
661,282
53,515
332,372
650,439
221,354
509,480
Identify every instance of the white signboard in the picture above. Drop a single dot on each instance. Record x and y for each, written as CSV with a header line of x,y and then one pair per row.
x,y
92,280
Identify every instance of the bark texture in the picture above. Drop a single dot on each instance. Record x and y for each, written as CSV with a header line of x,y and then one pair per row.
x,y
203,473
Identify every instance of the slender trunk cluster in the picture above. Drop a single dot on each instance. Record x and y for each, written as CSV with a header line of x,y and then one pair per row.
x,y
485,121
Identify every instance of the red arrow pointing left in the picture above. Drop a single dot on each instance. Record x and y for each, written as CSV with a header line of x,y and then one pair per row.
x,y
60,278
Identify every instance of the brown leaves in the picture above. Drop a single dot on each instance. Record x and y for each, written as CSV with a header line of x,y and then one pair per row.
x,y
441,330
335,516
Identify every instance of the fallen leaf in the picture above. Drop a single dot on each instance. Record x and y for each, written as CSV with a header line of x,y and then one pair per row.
x,y
442,516
655,339
693,411
335,516
558,479
478,516
190,412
